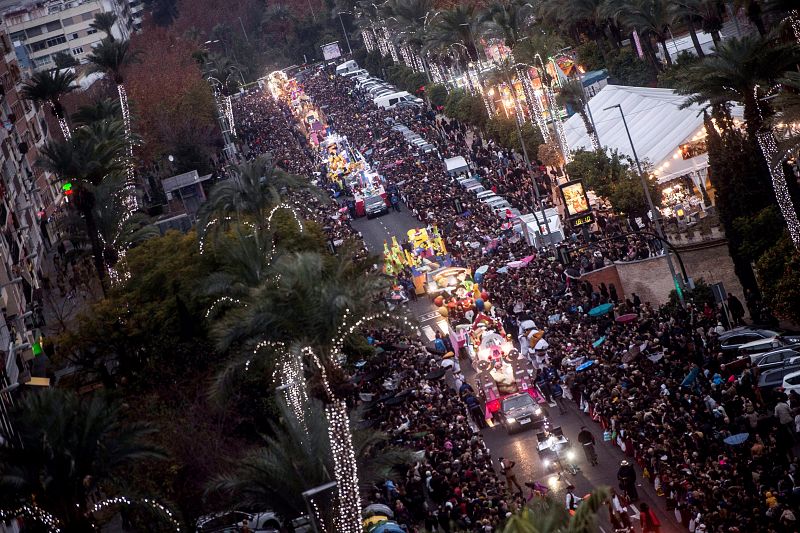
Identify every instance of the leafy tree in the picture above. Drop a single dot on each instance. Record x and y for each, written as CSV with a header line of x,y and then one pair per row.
x,y
504,132
69,446
550,155
779,273
627,69
678,76
437,95
589,56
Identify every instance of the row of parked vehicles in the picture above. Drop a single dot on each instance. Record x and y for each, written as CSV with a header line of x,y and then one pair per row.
x,y
383,93
775,356
459,169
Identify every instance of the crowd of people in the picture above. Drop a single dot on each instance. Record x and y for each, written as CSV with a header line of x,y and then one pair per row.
x,y
661,389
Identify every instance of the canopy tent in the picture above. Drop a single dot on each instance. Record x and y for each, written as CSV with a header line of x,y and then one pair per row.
x,y
657,124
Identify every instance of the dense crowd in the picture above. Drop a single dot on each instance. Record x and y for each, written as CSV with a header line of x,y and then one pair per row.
x,y
661,389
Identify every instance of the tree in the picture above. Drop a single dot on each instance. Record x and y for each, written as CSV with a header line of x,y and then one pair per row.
x,y
652,19
550,516
70,446
104,22
572,95
104,110
462,25
779,273
64,60
93,153
49,86
688,12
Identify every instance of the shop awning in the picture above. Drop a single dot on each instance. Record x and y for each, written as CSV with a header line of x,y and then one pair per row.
x,y
657,124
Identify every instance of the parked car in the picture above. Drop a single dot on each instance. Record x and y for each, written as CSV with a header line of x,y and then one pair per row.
x,y
375,206
731,340
232,522
755,349
791,382
772,379
777,358
519,411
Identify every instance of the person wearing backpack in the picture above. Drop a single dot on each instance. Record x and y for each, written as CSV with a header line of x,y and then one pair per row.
x,y
649,520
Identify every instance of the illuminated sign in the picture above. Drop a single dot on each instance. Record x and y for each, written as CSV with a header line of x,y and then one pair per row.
x,y
693,149
582,220
575,198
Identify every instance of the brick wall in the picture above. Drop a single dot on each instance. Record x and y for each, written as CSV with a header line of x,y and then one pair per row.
x,y
650,278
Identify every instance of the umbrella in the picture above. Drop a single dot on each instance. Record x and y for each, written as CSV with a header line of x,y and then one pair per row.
x,y
503,270
374,520
584,366
601,310
527,324
482,270
436,374
388,527
516,264
378,508
573,273
397,400
627,318
599,341
735,440
528,259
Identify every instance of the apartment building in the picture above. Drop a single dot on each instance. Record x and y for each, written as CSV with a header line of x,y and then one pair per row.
x,y
46,27
28,199
137,13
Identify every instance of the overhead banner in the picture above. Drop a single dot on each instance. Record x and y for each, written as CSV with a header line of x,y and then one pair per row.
x,y
331,51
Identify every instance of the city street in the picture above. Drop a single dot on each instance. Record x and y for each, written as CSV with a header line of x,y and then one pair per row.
x,y
521,447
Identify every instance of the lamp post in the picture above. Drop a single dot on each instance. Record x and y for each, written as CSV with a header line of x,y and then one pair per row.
x,y
346,38
678,281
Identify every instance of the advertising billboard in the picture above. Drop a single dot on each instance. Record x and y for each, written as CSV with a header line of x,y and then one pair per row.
x,y
331,51
577,202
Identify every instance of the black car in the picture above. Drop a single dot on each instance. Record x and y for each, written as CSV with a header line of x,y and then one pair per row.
x,y
776,358
375,206
519,411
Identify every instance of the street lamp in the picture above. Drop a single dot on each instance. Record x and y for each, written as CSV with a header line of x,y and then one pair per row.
x,y
677,280
346,38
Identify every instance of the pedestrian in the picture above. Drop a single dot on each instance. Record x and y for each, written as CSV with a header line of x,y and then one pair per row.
x,y
737,310
649,520
507,469
586,438
626,476
571,501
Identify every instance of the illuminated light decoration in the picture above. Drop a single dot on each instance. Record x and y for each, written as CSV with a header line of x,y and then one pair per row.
x,y
131,201
794,21
229,114
67,189
122,500
35,513
555,117
289,208
293,384
766,141
535,104
202,239
221,300
345,468
390,45
367,39
62,123
436,71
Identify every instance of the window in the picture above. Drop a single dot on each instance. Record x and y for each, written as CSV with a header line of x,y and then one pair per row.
x,y
795,380
18,36
56,41
54,26
87,16
74,36
91,31
77,51
67,21
41,61
33,32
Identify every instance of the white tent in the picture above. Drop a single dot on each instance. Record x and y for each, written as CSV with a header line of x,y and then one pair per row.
x,y
657,124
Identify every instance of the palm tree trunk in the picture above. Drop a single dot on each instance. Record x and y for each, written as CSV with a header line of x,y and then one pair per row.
x,y
86,209
695,41
715,37
667,57
589,129
130,180
769,148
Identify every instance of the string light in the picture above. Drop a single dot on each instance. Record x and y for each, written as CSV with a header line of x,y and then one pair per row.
x,y
345,467
131,201
36,513
766,141
229,114
221,300
122,500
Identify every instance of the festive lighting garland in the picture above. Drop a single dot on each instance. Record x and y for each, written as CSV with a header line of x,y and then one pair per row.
x,y
222,300
35,513
123,500
535,104
555,117
766,141
131,202
291,209
390,44
367,38
202,238
345,467
794,20
229,114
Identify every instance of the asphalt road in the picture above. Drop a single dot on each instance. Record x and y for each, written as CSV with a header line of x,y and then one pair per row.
x,y
521,447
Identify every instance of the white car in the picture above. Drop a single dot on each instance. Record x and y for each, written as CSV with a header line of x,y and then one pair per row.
x,y
791,382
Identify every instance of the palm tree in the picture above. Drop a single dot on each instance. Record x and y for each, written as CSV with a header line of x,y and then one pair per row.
x,y
688,11
410,18
111,57
93,153
48,87
102,110
751,8
578,17
104,22
651,19
572,94
462,25
67,447
550,516
296,458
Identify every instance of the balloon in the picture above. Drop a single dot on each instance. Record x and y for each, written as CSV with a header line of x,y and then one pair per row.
x,y
480,304
443,311
438,301
484,295
487,306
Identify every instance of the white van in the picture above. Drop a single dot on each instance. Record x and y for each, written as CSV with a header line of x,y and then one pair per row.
x,y
388,101
456,165
356,73
347,66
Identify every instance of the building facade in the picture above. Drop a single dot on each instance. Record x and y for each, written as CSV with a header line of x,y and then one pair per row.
x,y
46,27
28,199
